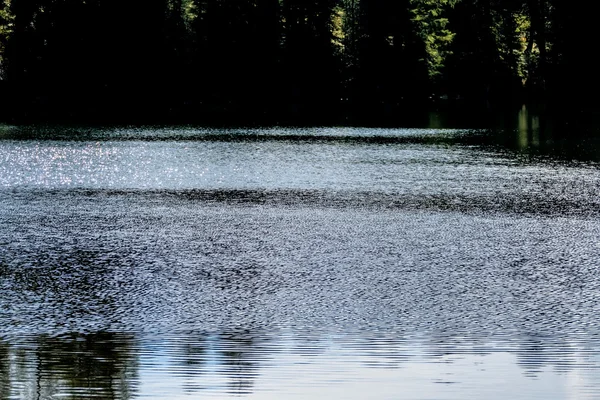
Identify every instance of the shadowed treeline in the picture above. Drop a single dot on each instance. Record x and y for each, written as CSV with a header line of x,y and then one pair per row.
x,y
287,61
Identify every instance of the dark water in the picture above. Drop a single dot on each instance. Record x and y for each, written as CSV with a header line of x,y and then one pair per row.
x,y
299,263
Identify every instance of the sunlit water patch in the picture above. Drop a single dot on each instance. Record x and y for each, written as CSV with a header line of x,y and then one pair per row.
x,y
325,263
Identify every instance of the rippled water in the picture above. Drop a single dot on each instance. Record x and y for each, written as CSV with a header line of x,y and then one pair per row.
x,y
298,263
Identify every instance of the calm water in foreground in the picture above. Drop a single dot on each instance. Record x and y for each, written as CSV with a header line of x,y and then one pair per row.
x,y
322,263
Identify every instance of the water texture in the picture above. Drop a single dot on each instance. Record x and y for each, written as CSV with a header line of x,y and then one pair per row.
x,y
297,263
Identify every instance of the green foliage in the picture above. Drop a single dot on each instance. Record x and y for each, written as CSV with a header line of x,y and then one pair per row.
x,y
525,56
6,29
431,25
299,54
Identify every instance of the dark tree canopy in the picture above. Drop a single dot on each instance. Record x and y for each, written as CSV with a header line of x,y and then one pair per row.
x,y
277,61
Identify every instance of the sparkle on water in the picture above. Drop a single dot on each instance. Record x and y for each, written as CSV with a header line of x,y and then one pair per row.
x,y
298,263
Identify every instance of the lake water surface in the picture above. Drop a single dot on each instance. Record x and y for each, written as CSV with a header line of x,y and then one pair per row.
x,y
321,263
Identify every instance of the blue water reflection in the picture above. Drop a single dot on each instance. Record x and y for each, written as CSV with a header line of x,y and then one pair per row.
x,y
288,364
307,263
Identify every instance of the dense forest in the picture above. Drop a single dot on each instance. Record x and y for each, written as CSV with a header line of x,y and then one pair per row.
x,y
287,60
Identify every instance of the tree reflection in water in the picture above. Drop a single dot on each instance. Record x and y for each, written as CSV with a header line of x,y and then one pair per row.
x,y
101,365
242,362
4,371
